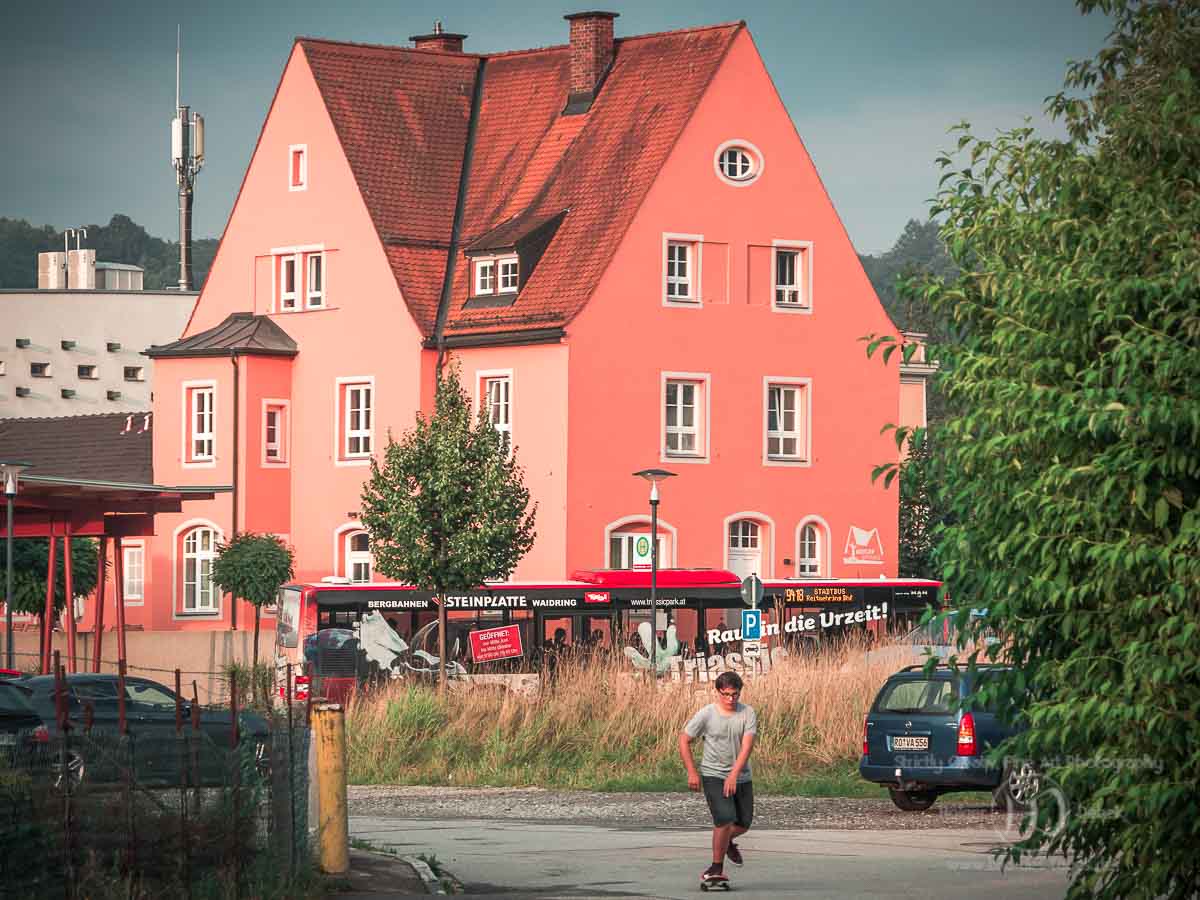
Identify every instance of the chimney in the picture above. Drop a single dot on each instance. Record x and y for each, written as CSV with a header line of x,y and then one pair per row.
x,y
591,56
440,40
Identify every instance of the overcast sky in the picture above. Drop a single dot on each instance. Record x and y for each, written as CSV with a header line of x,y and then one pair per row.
x,y
87,88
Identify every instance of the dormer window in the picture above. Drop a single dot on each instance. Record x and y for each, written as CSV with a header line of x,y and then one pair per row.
x,y
738,163
496,275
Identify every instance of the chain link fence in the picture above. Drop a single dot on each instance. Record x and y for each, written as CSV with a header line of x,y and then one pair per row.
x,y
185,802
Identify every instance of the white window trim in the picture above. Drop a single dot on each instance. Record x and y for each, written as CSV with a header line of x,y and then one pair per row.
x,y
500,261
339,457
671,544
477,267
285,437
823,549
128,544
697,261
308,291
186,460
805,459
347,563
298,251
303,185
704,379
758,160
177,615
481,398
294,296
766,545
806,277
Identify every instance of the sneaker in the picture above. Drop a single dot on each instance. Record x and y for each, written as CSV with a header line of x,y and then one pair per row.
x,y
712,872
733,854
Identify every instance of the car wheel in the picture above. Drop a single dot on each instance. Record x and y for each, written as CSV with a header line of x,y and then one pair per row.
x,y
1018,786
68,781
913,801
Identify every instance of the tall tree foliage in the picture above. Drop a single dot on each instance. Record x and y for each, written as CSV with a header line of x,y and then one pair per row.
x,y
253,567
1072,468
31,563
448,509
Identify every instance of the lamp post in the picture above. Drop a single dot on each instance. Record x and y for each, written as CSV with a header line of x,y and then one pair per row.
x,y
654,476
10,472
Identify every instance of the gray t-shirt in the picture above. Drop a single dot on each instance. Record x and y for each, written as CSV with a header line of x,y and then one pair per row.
x,y
722,738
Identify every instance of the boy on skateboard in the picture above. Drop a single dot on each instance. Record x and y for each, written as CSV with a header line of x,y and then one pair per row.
x,y
728,728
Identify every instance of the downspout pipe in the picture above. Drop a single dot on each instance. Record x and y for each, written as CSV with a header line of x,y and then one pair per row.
x,y
233,358
464,179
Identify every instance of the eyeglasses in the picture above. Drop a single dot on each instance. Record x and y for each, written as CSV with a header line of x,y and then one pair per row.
x,y
732,695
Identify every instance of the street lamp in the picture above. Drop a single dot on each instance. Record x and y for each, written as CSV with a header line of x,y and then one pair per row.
x,y
10,473
654,476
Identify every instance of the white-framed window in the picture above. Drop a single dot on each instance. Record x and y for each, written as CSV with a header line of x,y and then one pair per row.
x,y
791,276
680,264
743,535
298,167
787,412
88,373
509,270
201,424
289,281
497,394
275,432
685,406
809,550
355,420
199,552
738,162
485,276
314,282
133,570
359,563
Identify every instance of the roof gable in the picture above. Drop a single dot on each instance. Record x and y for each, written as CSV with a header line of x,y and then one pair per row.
x,y
403,117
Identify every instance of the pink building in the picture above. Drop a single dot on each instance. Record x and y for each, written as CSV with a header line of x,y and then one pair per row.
x,y
627,250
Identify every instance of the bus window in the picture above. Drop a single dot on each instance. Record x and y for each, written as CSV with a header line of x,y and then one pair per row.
x,y
287,625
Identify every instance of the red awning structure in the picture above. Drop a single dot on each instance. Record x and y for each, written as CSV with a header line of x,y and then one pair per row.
x,y
85,476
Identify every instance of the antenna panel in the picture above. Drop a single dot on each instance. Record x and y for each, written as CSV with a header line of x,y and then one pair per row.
x,y
176,141
198,138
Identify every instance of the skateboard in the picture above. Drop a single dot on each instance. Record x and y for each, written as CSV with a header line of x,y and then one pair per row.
x,y
714,882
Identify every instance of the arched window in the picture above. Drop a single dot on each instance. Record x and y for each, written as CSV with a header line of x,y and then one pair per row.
x,y
359,563
199,551
743,553
808,561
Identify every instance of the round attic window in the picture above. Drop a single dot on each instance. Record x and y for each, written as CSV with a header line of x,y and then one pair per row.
x,y
738,163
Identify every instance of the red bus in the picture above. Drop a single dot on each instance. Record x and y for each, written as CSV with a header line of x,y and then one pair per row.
x,y
337,634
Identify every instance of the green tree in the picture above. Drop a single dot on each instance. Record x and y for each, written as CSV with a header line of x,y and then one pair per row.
x,y
31,562
448,509
1072,463
918,514
253,567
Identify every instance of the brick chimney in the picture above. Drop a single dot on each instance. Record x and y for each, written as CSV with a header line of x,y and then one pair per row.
x,y
439,40
591,55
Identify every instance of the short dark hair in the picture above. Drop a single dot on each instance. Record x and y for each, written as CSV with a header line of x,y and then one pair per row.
x,y
729,680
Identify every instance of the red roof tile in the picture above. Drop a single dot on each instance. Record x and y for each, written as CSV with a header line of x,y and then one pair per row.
x,y
403,116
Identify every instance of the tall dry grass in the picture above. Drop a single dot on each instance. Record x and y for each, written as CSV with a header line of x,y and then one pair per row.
x,y
598,726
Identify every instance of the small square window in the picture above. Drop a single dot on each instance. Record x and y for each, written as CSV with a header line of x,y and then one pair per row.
x,y
508,275
298,167
39,370
135,373
3,367
113,346
88,373
485,276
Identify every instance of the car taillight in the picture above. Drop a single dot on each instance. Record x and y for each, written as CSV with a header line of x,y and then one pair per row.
x,y
41,734
966,736
865,751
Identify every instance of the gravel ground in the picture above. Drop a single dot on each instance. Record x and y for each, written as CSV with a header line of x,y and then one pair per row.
x,y
655,809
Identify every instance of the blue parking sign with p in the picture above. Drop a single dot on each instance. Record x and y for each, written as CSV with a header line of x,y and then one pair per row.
x,y
751,624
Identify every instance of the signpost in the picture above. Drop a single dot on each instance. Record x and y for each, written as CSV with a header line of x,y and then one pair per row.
x,y
751,624
752,591
752,594
490,644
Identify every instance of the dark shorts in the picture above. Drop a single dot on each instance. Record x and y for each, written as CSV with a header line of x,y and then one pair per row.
x,y
735,810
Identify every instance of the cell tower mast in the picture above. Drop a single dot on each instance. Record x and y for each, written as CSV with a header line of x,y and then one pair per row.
x,y
187,156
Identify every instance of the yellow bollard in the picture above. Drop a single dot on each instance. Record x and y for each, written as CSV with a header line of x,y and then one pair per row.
x,y
329,727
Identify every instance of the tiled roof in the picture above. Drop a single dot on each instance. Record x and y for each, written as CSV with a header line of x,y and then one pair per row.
x,y
403,117
243,333
114,447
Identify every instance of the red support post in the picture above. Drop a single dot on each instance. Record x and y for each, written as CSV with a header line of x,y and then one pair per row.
x,y
101,566
70,595
48,612
119,597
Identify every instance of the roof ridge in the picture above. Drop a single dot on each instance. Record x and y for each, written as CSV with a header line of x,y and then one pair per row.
x,y
363,45
108,415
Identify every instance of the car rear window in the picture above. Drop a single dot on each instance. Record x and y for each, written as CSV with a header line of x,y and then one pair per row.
x,y
14,699
918,695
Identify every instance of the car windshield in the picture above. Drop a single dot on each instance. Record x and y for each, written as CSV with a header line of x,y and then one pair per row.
x,y
917,695
95,690
14,699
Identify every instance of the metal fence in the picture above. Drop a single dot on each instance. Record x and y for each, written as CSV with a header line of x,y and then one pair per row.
x,y
198,801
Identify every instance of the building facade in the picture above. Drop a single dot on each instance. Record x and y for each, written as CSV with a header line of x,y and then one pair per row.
x,y
623,247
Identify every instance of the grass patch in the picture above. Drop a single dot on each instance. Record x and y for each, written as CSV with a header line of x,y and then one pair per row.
x,y
601,727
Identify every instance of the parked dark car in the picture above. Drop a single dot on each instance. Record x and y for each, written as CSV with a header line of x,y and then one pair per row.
x,y
21,729
920,743
159,758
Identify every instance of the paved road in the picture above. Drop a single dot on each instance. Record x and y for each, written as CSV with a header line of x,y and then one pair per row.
x,y
521,859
